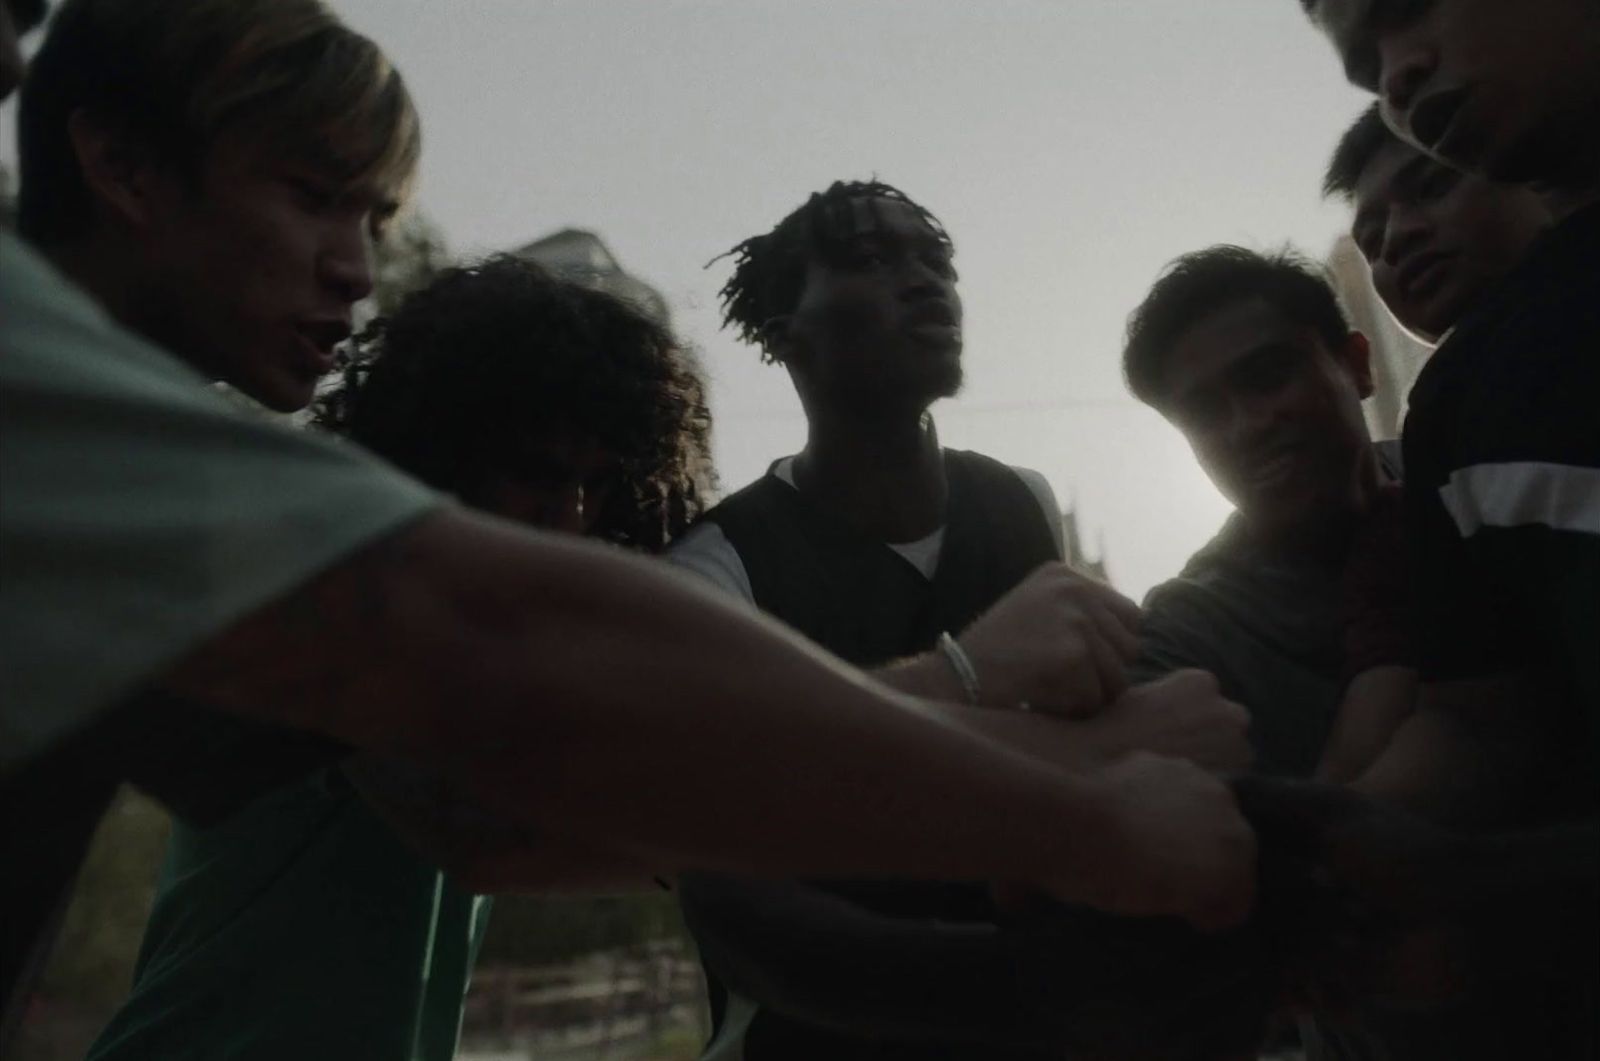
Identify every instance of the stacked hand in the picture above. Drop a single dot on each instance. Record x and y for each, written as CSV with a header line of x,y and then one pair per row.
x,y
1059,641
1359,899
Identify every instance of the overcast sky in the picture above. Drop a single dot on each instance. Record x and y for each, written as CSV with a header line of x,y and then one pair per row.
x,y
1070,146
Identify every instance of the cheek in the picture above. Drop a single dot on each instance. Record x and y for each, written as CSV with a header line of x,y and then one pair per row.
x,y
1387,283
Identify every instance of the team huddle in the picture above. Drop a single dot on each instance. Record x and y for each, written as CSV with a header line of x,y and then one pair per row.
x,y
945,796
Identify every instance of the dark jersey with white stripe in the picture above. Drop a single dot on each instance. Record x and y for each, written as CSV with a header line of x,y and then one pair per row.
x,y
1502,452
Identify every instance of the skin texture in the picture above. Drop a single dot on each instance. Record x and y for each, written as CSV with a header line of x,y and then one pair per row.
x,y
1274,416
465,645
1436,239
248,273
1506,91
878,321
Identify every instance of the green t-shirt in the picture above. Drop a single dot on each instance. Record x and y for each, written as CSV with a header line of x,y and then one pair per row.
x,y
142,512
301,927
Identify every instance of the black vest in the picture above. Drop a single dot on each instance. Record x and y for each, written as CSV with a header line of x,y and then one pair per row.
x,y
858,598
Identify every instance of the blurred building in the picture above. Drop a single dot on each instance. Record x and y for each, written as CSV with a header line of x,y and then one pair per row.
x,y
1074,552
579,255
1397,357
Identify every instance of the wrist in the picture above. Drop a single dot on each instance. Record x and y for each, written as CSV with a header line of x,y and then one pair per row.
x,y
961,666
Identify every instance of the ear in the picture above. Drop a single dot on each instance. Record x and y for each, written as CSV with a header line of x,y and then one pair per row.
x,y
777,340
1357,357
119,173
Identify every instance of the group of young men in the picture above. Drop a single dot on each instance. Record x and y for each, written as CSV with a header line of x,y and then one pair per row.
x,y
925,791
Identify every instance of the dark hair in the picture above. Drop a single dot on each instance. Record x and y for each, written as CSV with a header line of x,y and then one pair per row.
x,y
769,270
1357,148
488,358
1197,285
179,73
26,14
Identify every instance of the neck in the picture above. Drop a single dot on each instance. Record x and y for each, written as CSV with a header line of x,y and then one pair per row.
x,y
1325,538
882,472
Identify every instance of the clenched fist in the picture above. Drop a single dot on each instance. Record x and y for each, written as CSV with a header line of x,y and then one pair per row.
x,y
1059,641
1170,841
1182,715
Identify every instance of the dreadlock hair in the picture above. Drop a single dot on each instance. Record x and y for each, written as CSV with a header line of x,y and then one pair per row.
x,y
1197,285
1357,148
769,270
483,362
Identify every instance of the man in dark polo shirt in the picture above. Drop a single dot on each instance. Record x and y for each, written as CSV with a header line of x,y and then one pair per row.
x,y
1502,451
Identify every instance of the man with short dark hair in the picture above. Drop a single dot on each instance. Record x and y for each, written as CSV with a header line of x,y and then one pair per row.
x,y
1251,357
1503,464
1299,605
1436,239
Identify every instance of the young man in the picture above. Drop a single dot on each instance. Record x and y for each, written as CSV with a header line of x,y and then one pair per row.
x,y
1502,449
159,540
1503,465
1437,239
303,924
1252,358
1298,605
880,546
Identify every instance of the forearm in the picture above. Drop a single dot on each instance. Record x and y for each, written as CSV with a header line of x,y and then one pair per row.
x,y
600,697
1376,704
484,852
926,677
1463,755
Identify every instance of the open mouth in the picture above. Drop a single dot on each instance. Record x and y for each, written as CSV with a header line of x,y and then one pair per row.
x,y
324,335
938,314
1274,466
1421,276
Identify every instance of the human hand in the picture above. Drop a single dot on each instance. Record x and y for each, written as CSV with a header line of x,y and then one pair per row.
x,y
1059,641
1182,715
1170,841
1359,898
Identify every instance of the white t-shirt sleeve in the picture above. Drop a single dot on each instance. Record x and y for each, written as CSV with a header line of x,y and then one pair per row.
x,y
707,552
142,512
1047,501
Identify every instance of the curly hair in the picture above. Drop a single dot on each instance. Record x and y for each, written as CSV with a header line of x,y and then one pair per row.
x,y
769,270
491,357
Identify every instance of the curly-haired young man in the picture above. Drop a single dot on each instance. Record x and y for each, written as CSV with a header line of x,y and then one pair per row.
x,y
303,924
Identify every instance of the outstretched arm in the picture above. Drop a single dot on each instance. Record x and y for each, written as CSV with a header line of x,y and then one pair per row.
x,y
602,699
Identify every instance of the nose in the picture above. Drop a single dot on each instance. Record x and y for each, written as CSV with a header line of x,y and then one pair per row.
x,y
1406,65
346,263
1248,417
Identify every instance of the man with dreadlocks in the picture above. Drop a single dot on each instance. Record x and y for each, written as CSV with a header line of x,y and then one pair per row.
x,y
881,546
297,926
